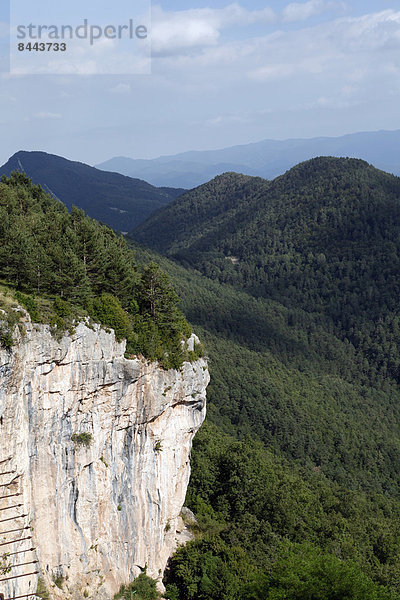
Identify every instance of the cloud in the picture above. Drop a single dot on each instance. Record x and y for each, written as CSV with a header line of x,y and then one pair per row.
x,y
273,72
224,84
336,101
175,32
375,32
181,30
341,63
301,11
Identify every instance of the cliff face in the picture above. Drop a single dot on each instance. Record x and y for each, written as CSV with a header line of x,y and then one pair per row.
x,y
98,512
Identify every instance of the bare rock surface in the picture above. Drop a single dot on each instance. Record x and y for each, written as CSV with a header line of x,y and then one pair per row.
x,y
101,507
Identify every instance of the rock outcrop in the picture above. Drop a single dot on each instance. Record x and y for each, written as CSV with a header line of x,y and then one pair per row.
x,y
103,505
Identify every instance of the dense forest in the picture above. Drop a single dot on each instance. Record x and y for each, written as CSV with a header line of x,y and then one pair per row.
x,y
77,267
267,529
295,479
279,401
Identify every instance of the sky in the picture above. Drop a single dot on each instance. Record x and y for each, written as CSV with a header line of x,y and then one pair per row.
x,y
222,74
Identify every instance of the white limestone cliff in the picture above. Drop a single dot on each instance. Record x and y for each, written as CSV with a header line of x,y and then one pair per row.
x,y
98,513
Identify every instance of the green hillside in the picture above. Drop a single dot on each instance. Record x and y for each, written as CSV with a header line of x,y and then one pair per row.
x,y
324,471
324,237
293,286
200,213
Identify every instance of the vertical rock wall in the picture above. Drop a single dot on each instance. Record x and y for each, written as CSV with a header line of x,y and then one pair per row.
x,y
104,505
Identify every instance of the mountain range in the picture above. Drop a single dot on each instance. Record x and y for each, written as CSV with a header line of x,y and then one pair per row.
x,y
267,158
119,201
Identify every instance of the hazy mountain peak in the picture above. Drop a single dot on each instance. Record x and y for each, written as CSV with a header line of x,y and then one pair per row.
x,y
266,158
118,200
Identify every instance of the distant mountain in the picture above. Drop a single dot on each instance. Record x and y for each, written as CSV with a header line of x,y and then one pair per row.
x,y
267,158
168,170
118,201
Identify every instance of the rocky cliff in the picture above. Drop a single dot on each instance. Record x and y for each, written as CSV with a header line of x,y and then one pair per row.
x,y
103,505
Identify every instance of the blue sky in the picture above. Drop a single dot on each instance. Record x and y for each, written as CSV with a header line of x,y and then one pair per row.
x,y
223,73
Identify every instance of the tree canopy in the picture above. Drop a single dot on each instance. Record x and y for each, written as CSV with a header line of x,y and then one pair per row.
x,y
80,264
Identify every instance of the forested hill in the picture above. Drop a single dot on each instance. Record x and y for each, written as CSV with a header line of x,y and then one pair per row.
x,y
324,238
201,213
120,202
324,470
238,214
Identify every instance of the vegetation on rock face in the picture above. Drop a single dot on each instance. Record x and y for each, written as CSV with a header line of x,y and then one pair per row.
x,y
9,318
65,266
82,439
41,589
5,564
295,292
143,588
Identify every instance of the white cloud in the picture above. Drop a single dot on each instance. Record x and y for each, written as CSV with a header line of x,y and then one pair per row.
x,y
335,101
301,11
272,72
178,32
378,31
173,31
